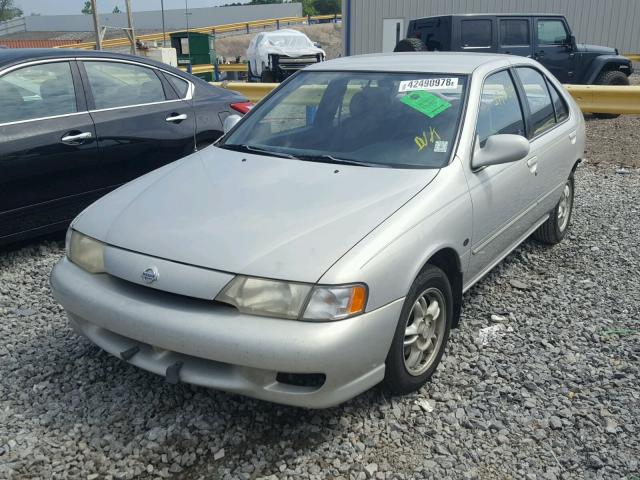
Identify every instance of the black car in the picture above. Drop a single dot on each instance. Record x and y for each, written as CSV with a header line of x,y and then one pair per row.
x,y
546,38
76,124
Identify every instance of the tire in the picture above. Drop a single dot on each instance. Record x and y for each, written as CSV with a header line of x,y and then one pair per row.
x,y
409,368
250,77
410,45
267,77
611,77
555,228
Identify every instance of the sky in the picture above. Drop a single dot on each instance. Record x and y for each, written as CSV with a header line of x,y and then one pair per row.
x,y
71,7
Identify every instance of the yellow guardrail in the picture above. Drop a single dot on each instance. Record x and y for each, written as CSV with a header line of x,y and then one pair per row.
x,y
634,57
590,98
606,99
253,91
229,27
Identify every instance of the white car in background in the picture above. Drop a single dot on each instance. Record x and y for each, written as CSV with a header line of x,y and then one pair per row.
x,y
273,56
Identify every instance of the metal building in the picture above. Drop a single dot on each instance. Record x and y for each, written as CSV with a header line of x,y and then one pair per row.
x,y
374,25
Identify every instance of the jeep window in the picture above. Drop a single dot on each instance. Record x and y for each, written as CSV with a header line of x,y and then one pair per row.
x,y
514,32
537,97
559,104
552,32
402,120
476,33
500,110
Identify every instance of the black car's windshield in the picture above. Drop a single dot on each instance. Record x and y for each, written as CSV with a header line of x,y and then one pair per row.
x,y
359,118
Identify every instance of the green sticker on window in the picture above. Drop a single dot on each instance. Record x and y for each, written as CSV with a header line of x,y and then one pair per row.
x,y
427,103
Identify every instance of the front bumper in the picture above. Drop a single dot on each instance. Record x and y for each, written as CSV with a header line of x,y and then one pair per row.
x,y
222,348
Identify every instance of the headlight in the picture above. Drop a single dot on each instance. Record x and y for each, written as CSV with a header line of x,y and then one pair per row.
x,y
276,298
336,303
85,252
259,296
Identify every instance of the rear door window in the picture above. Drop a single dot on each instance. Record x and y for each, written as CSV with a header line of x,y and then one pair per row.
x,y
37,91
476,33
122,84
180,85
500,110
514,32
559,104
542,115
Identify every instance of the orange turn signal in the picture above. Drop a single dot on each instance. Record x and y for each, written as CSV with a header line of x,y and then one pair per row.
x,y
358,300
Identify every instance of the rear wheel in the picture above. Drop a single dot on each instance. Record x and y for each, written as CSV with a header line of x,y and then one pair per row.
x,y
422,332
410,45
267,77
555,228
611,77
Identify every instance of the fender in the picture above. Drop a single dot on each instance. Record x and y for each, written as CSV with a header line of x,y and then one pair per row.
x,y
599,63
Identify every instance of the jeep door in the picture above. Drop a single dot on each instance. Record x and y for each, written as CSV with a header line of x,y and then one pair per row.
x,y
553,47
514,36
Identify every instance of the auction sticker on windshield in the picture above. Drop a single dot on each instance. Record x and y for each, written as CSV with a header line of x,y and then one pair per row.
x,y
426,103
428,84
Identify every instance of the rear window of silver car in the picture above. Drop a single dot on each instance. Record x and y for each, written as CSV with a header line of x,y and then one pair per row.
x,y
381,119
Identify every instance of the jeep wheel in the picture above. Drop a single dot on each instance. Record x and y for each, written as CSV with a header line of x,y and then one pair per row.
x,y
410,45
611,77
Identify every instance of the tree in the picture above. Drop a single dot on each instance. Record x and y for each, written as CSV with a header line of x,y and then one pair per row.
x,y
87,9
326,7
8,10
308,8
116,10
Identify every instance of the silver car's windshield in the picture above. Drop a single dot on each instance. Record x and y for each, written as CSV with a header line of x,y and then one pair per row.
x,y
363,118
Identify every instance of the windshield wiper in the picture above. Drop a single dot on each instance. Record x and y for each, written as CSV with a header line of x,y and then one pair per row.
x,y
326,158
236,147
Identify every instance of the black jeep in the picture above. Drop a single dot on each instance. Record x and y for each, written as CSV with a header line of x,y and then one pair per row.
x,y
546,38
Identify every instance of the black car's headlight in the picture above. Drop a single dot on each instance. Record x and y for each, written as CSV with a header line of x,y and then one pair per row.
x,y
275,298
85,252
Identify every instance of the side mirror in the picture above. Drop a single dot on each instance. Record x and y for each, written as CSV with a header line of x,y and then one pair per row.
x,y
571,43
498,149
230,122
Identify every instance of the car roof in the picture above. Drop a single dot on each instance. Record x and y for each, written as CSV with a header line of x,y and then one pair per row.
x,y
492,15
445,62
17,55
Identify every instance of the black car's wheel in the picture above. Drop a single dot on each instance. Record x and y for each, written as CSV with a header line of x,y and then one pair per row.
x,y
410,45
611,77
422,332
555,228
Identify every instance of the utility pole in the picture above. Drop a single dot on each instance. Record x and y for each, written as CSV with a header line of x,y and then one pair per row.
x,y
132,34
96,24
164,33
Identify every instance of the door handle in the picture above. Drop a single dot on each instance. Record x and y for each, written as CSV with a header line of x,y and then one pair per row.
x,y
572,137
176,118
532,164
77,138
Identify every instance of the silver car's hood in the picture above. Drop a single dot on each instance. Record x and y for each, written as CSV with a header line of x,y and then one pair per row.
x,y
251,214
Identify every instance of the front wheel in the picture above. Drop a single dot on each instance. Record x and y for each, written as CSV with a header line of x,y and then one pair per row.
x,y
611,77
555,228
422,332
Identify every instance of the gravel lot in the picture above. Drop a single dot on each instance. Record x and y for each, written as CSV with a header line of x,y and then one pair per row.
x,y
554,393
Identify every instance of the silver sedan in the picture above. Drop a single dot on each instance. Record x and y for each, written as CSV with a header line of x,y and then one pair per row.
x,y
324,244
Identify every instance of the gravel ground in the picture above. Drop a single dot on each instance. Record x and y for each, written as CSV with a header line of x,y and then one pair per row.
x,y
553,392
